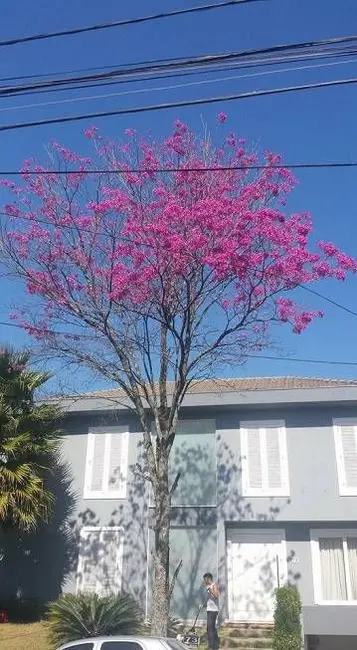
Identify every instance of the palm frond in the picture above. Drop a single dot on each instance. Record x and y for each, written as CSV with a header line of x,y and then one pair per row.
x,y
85,615
29,444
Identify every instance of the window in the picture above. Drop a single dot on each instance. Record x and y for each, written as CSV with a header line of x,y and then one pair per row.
x,y
335,565
264,459
120,645
346,455
100,560
81,646
106,465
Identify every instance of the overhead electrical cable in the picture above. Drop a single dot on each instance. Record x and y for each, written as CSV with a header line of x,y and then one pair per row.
x,y
178,104
124,23
330,362
172,65
86,98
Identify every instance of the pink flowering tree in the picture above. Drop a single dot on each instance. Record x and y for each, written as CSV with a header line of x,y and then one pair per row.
x,y
155,264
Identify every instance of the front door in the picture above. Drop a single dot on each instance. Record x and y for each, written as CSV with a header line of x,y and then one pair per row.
x,y
256,567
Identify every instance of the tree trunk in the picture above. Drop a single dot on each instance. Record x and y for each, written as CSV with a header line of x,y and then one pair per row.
x,y
161,595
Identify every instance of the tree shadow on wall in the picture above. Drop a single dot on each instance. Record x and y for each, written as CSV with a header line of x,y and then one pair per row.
x,y
261,568
104,559
209,491
33,566
209,486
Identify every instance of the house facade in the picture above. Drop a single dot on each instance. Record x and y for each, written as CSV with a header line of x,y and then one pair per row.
x,y
267,495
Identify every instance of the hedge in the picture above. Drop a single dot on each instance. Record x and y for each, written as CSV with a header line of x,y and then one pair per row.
x,y
287,619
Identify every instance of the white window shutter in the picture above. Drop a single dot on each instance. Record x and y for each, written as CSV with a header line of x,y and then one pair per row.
x,y
89,560
349,456
118,463
100,560
110,571
106,465
115,458
254,460
273,458
264,459
95,464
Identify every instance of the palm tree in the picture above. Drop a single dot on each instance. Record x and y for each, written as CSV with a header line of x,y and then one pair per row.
x,y
29,444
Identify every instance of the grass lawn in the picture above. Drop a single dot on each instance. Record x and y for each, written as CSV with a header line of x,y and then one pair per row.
x,y
23,637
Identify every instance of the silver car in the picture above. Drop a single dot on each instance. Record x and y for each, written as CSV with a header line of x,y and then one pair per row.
x,y
124,643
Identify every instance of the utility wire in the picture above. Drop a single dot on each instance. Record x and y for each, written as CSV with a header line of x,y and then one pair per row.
x,y
180,104
71,100
124,23
297,360
202,60
209,68
107,234
330,300
251,356
170,170
192,71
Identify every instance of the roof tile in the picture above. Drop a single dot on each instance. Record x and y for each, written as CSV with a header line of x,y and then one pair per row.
x,y
246,384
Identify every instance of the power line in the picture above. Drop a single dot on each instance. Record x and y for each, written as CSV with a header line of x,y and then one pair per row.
x,y
297,360
202,60
251,356
330,300
123,23
180,104
89,232
171,170
201,82
209,68
182,73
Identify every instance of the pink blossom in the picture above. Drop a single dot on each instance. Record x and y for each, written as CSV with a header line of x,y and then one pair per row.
x,y
222,117
90,132
127,242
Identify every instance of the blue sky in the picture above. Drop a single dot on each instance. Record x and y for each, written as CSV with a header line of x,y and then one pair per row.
x,y
310,126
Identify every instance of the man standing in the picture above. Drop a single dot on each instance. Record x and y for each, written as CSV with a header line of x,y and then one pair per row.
x,y
212,611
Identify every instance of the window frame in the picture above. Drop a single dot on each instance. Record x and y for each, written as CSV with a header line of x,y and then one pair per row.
x,y
344,491
88,493
102,529
265,490
338,533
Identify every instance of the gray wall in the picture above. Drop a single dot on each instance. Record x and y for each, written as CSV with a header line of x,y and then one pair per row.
x,y
193,536
209,498
131,513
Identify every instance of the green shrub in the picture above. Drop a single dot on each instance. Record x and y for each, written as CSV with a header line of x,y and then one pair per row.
x,y
74,617
287,619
